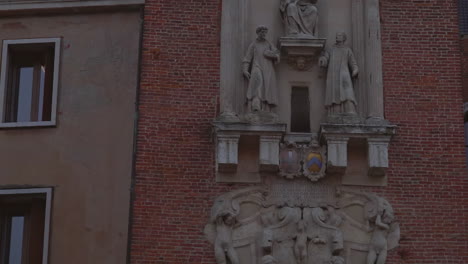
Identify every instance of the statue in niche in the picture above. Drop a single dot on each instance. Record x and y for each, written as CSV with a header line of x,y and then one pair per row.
x,y
342,68
380,216
262,93
300,18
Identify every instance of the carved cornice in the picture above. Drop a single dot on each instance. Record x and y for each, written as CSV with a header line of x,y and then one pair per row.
x,y
34,6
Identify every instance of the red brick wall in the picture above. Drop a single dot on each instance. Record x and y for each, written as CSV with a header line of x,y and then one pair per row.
x,y
175,186
464,48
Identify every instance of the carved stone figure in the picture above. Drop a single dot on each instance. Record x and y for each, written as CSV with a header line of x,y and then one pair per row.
x,y
299,17
342,68
245,228
380,215
300,247
262,93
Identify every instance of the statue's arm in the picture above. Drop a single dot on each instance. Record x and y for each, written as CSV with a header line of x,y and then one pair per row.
x,y
380,224
247,61
353,64
324,58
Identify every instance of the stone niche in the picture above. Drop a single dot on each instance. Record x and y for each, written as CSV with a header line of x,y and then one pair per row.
x,y
275,88
301,223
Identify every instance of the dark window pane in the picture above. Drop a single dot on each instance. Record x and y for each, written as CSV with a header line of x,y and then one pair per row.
x,y
25,89
300,119
29,84
16,240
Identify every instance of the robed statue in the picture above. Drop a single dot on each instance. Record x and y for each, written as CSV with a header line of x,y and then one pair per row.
x,y
342,68
262,92
300,18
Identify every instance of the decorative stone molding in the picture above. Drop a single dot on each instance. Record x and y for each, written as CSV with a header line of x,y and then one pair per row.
x,y
227,152
337,147
301,223
269,152
227,138
376,134
378,155
301,52
47,5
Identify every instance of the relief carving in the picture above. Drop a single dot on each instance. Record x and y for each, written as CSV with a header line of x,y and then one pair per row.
x,y
246,229
342,68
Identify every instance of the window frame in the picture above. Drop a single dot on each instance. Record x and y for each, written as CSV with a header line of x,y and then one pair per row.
x,y
47,213
55,80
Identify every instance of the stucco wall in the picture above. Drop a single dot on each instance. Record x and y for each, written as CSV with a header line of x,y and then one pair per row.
x,y
87,157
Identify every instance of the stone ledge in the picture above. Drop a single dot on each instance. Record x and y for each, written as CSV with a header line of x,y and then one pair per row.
x,y
247,128
33,6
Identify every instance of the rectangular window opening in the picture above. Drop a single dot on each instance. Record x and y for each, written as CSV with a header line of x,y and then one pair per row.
x,y
29,79
300,109
24,225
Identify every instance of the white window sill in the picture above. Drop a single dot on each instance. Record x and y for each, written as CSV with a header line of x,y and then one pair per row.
x,y
28,124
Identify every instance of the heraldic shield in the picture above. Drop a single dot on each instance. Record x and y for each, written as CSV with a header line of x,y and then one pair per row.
x,y
302,160
314,162
290,160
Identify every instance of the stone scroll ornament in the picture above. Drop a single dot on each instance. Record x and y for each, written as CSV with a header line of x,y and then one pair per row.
x,y
254,225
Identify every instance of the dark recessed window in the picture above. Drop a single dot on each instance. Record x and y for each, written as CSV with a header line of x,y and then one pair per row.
x,y
300,109
30,76
24,225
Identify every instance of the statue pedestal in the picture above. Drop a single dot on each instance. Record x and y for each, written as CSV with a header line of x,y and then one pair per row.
x,y
244,150
374,135
300,52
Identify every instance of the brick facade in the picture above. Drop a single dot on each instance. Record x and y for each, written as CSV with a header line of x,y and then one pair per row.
x,y
175,183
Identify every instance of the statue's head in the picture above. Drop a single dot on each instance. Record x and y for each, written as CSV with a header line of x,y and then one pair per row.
x,y
341,37
301,226
261,32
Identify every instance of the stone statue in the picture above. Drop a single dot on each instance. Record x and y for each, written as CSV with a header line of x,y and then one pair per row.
x,y
223,216
300,247
223,243
380,215
262,93
342,68
300,18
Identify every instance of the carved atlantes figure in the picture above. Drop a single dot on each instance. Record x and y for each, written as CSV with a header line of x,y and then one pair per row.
x,y
299,17
258,69
342,67
380,215
223,243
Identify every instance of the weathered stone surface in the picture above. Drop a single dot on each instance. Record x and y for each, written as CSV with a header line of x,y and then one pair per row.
x,y
305,224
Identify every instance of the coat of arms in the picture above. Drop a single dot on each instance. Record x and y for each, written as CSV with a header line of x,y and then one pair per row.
x,y
302,160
